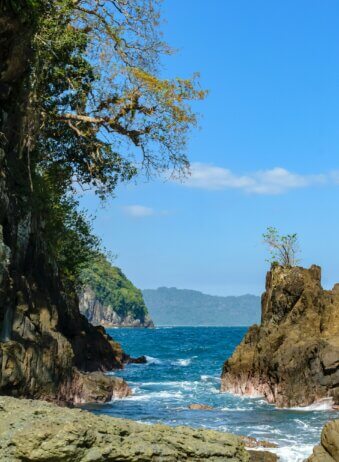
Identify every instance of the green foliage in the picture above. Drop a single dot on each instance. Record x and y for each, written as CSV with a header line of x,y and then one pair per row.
x,y
66,230
283,249
112,288
98,114
105,114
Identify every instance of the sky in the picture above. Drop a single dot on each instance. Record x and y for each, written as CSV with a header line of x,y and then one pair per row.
x,y
266,153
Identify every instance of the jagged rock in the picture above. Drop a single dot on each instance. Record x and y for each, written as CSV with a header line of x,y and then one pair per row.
x,y
251,442
328,450
41,432
292,358
93,387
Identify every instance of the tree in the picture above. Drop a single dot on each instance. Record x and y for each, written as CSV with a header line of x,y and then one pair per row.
x,y
283,249
99,112
102,110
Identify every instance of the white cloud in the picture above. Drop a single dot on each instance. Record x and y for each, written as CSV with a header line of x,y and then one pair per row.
x,y
138,211
274,181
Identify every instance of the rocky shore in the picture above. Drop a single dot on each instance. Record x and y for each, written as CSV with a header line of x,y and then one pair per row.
x,y
292,358
42,432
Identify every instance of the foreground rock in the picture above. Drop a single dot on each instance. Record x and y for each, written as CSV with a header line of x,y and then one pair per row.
x,y
328,450
292,358
42,432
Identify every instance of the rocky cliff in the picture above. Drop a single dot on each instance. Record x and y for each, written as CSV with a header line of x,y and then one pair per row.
x,y
47,348
109,299
41,432
292,357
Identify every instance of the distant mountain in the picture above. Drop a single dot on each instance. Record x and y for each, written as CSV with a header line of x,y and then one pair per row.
x,y
182,307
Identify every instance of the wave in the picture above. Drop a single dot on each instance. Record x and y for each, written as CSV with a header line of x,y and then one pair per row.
x,y
182,362
210,378
151,396
325,404
295,453
151,360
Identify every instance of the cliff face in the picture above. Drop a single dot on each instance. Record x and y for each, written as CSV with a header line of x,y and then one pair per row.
x,y
110,299
99,313
292,358
46,345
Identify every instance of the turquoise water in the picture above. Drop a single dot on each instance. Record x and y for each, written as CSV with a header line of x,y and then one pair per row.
x,y
184,367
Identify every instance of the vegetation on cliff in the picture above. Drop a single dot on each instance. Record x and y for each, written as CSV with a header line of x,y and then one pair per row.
x,y
113,294
82,106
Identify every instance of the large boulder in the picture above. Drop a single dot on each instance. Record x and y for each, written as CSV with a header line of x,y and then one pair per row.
x,y
292,358
328,450
42,432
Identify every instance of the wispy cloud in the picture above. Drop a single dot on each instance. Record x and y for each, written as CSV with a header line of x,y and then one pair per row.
x,y
274,181
140,211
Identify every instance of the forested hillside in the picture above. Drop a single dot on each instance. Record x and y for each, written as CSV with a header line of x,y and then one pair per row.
x,y
180,307
108,298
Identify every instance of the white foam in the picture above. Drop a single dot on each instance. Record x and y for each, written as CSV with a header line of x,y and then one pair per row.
x,y
151,360
294,453
325,404
210,378
182,362
151,396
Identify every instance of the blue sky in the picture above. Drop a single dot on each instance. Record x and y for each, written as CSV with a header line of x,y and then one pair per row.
x,y
267,152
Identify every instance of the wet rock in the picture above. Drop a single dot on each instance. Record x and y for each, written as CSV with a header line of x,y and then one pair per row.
x,y
41,432
251,442
292,358
200,407
139,360
262,456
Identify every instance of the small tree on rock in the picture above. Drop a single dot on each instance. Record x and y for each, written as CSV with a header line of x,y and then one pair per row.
x,y
283,249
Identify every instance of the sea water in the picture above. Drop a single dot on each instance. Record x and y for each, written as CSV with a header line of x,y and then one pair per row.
x,y
184,367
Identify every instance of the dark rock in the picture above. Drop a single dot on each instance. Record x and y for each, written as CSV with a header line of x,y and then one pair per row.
x,y
262,456
45,343
292,358
140,360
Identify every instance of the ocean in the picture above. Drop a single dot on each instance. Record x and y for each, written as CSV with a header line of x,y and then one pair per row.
x,y
184,367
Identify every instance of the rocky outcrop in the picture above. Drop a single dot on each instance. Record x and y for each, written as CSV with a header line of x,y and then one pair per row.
x,y
38,431
328,450
99,313
46,345
292,358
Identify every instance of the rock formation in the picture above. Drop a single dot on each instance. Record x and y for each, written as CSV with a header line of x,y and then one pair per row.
x,y
328,450
101,314
46,345
38,431
292,358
